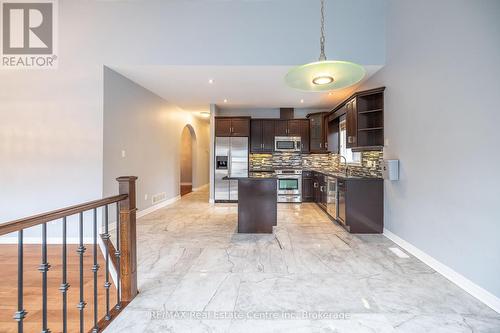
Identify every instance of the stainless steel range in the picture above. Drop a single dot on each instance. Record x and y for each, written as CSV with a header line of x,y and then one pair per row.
x,y
289,185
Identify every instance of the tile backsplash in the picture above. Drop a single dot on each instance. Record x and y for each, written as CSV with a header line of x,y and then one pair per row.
x,y
371,162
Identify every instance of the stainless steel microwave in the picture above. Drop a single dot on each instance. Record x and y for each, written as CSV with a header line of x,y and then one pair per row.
x,y
287,143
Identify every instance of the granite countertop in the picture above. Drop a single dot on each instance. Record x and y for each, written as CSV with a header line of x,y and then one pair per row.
x,y
254,175
340,175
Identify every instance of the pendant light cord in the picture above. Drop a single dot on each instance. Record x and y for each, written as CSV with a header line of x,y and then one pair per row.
x,y
322,56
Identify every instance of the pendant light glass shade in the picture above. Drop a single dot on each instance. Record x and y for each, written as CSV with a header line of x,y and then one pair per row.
x,y
324,75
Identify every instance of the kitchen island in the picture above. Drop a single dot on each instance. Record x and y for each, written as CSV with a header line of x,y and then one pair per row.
x,y
257,203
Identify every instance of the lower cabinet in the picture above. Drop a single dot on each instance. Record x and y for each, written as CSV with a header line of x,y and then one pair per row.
x,y
363,210
307,188
360,206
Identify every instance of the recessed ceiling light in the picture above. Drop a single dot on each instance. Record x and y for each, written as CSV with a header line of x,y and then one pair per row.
x,y
211,81
301,101
205,114
225,100
330,94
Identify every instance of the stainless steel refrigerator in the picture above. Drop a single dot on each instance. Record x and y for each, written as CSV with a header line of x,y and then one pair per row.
x,y
231,159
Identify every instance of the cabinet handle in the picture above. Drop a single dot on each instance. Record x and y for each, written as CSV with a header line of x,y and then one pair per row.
x,y
350,139
326,144
315,185
320,145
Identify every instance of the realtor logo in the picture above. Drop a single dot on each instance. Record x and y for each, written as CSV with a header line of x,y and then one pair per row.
x,y
28,34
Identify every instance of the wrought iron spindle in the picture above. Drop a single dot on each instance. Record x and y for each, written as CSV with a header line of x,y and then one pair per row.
x,y
117,254
44,268
105,238
64,284
81,251
20,313
95,269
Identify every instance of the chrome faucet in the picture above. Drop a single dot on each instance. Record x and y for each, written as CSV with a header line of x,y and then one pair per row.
x,y
346,169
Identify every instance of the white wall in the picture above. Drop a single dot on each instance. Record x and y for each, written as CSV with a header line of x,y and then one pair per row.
x,y
149,129
441,120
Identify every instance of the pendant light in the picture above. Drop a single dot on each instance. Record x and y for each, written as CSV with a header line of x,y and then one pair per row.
x,y
324,75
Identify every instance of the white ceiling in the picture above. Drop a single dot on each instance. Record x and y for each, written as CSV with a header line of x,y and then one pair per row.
x,y
242,86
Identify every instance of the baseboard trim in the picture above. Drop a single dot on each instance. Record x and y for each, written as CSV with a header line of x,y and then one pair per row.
x,y
199,188
461,281
160,205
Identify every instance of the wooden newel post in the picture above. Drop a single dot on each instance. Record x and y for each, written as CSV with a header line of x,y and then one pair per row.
x,y
128,241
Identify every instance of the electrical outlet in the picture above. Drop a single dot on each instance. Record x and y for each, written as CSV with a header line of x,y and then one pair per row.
x,y
124,153
145,197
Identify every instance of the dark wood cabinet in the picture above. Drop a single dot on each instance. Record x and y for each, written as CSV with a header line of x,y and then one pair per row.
x,y
333,136
240,127
360,201
364,112
370,119
317,132
304,135
232,126
263,132
361,205
294,127
307,189
281,127
262,135
316,189
351,124
268,135
222,126
255,136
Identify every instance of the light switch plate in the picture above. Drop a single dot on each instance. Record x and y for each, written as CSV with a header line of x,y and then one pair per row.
x,y
124,153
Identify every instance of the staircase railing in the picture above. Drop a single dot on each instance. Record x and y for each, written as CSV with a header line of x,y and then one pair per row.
x,y
124,253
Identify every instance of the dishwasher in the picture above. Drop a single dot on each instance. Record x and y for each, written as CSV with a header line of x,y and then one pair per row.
x,y
332,198
342,189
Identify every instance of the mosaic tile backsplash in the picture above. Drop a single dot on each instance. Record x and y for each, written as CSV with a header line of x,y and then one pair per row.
x,y
371,162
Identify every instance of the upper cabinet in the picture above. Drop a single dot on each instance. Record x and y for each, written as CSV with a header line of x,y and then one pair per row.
x,y
232,126
370,119
263,132
304,134
351,124
317,132
281,127
364,112
262,135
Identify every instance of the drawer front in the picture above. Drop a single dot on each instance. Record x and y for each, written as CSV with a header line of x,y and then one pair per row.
x,y
306,174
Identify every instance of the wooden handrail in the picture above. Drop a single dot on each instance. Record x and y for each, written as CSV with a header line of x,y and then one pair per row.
x,y
123,254
27,222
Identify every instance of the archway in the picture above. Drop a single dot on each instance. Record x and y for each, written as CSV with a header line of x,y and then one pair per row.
x,y
187,149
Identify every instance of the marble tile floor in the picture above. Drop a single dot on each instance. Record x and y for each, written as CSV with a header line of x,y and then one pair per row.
x,y
197,275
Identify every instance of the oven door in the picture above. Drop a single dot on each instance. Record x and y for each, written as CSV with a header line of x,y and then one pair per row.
x,y
289,185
